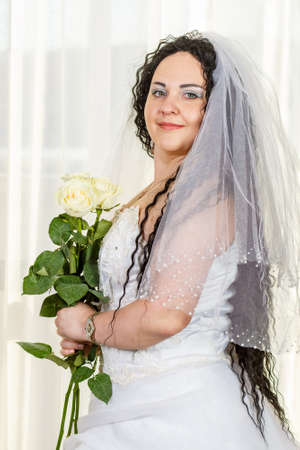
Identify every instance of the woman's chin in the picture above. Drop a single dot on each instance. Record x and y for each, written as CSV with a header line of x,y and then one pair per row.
x,y
173,150
171,146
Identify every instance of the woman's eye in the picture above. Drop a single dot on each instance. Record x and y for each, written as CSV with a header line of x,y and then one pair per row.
x,y
190,95
157,91
193,95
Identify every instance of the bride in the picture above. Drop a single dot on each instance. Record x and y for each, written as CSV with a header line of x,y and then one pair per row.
x,y
190,262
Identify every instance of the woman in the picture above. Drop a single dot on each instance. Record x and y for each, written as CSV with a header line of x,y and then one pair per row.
x,y
187,263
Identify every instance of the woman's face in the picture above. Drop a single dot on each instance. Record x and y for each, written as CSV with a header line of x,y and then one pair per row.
x,y
176,96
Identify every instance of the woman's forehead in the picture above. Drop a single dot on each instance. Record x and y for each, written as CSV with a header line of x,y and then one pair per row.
x,y
179,68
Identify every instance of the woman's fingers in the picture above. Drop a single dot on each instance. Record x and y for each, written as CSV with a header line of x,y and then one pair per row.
x,y
67,343
69,347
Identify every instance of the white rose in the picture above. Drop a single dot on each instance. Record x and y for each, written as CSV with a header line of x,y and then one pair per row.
x,y
106,192
77,195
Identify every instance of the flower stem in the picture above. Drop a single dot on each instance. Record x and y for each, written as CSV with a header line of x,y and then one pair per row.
x,y
98,212
77,409
79,223
72,411
62,425
101,359
77,252
73,260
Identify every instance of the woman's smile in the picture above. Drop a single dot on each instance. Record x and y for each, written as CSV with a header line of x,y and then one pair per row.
x,y
169,126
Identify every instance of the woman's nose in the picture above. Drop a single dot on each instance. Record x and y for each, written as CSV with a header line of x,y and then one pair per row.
x,y
169,105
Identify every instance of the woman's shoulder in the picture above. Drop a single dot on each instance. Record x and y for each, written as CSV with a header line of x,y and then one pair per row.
x,y
133,202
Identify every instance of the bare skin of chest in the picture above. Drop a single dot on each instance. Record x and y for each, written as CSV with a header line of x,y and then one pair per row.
x,y
142,200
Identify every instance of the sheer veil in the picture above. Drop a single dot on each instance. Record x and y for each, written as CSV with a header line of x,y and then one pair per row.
x,y
236,195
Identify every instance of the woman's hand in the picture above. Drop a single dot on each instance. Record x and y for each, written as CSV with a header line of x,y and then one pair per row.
x,y
70,323
68,347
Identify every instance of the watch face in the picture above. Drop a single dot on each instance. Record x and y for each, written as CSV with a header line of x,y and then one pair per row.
x,y
89,327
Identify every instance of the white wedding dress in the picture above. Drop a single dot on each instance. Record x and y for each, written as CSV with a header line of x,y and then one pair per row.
x,y
180,394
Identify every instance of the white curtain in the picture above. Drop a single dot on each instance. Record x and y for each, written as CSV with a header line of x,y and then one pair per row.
x,y
66,70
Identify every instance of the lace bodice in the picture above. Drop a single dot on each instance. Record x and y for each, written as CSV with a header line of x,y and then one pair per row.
x,y
205,337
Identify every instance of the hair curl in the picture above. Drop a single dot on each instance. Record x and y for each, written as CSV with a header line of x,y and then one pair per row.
x,y
254,368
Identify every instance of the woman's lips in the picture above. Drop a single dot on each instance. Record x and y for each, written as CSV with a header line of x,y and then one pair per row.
x,y
169,126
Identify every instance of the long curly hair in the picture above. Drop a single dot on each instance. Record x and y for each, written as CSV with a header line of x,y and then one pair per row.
x,y
254,368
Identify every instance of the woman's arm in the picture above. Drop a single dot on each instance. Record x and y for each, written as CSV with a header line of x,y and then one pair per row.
x,y
136,326
139,325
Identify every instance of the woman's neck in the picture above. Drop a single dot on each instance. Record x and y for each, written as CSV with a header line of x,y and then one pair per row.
x,y
165,167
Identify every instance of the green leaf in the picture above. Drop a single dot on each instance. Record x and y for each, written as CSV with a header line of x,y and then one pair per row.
x,y
102,228
43,351
49,263
79,360
84,225
99,294
51,305
66,251
43,272
57,262
101,386
92,251
37,349
73,221
36,284
58,361
70,219
80,238
70,288
90,273
41,263
108,209
81,374
59,231
88,252
92,352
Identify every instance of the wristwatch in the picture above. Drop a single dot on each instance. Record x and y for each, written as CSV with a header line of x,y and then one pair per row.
x,y
90,327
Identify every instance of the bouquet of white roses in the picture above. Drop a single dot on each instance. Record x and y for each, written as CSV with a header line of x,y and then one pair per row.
x,y
71,272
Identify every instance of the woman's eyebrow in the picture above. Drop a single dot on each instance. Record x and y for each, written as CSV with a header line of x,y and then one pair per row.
x,y
181,86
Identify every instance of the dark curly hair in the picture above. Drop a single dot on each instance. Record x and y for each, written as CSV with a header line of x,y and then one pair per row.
x,y
254,368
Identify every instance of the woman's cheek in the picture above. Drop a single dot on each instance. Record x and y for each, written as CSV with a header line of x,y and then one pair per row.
x,y
149,121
